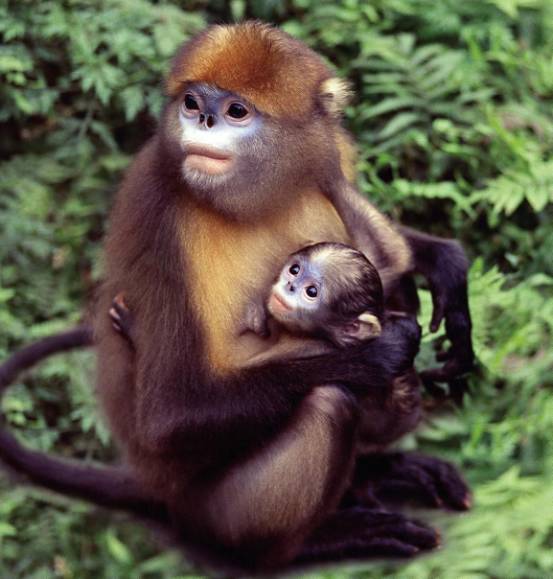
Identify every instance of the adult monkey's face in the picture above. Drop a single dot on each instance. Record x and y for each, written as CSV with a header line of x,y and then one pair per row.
x,y
217,128
234,157
250,120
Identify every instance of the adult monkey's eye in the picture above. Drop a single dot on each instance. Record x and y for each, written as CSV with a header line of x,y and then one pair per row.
x,y
237,111
190,103
294,269
311,291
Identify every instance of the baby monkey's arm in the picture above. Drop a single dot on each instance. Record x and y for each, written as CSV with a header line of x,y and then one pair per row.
x,y
255,318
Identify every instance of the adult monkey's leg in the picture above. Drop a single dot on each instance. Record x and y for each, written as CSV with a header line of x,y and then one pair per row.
x,y
285,496
284,490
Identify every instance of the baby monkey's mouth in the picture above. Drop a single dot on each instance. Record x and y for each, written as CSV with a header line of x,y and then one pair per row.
x,y
277,304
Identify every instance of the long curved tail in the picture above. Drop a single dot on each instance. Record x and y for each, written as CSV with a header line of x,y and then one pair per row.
x,y
110,487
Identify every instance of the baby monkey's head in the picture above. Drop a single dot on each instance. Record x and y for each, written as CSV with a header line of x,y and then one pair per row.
x,y
329,289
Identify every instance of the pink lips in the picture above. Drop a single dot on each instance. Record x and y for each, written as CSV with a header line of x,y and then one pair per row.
x,y
276,299
210,152
207,159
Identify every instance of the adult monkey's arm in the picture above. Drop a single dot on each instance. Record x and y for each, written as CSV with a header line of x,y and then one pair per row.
x,y
444,265
397,251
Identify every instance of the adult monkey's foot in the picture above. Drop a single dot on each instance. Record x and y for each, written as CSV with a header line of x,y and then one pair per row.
x,y
410,477
359,533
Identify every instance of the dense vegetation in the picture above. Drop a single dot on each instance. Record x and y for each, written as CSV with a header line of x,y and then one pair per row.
x,y
454,117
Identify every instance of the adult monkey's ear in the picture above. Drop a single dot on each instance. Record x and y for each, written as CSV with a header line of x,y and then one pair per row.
x,y
335,94
364,327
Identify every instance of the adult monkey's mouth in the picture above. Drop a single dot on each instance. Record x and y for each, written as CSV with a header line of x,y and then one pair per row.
x,y
207,159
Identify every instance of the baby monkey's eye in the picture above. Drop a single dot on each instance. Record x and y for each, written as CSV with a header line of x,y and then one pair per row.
x,y
294,269
237,111
190,103
311,291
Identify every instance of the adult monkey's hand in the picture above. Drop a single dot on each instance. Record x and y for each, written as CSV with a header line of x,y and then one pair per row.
x,y
444,265
397,252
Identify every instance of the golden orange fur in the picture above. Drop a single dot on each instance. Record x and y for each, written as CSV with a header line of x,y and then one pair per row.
x,y
275,72
229,251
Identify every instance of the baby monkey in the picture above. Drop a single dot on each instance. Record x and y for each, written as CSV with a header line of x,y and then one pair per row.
x,y
327,289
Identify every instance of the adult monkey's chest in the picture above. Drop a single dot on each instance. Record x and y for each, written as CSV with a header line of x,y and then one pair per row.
x,y
230,263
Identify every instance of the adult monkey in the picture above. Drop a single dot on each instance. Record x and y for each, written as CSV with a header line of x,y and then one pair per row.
x,y
252,475
249,440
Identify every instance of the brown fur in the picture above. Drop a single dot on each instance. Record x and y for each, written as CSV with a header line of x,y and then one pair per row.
x,y
384,423
197,405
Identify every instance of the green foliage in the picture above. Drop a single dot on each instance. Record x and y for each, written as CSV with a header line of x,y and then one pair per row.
x,y
455,126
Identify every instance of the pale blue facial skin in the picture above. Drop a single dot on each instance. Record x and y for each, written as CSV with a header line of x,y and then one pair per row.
x,y
244,168
211,126
294,287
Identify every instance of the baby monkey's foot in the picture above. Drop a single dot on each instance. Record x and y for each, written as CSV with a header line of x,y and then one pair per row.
x,y
121,318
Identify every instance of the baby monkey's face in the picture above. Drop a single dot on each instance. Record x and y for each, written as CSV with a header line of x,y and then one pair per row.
x,y
331,290
298,295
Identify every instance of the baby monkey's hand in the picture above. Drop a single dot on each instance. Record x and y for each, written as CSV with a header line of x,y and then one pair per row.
x,y
402,333
121,317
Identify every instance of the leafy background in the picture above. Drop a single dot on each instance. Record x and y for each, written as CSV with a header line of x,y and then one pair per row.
x,y
454,120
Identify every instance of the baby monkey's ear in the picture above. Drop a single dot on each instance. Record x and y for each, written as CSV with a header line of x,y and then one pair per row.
x,y
369,325
365,327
